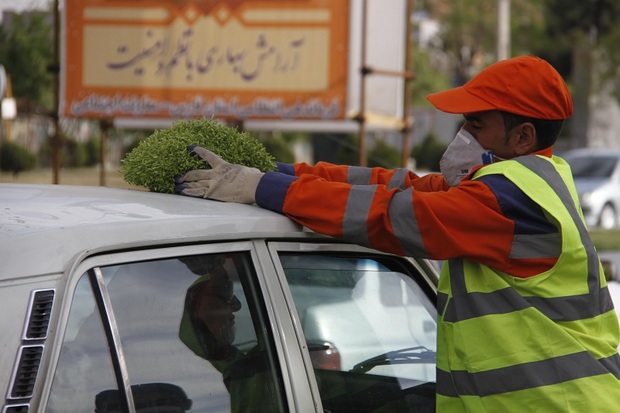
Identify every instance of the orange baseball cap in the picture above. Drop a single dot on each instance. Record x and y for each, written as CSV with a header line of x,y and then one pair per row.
x,y
525,85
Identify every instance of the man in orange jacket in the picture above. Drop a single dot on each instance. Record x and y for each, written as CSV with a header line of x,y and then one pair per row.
x,y
524,313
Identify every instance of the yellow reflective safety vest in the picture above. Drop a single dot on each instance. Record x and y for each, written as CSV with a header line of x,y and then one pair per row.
x,y
547,343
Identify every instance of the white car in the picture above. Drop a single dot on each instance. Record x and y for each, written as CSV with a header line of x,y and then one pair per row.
x,y
116,300
611,267
597,178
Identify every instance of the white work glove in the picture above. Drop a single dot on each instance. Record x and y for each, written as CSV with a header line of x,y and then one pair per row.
x,y
223,182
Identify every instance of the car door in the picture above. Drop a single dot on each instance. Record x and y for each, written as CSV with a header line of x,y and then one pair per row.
x,y
182,329
297,326
368,321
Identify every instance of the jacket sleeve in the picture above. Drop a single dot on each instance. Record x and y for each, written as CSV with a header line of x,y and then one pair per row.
x,y
359,175
463,222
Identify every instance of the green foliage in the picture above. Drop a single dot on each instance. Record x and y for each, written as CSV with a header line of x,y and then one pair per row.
x,y
156,160
291,137
348,151
428,79
384,155
16,158
92,148
74,153
277,146
45,154
605,240
469,32
135,138
569,20
574,25
26,51
428,153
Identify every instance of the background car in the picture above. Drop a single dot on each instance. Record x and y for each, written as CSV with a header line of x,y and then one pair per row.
x,y
597,178
611,268
123,300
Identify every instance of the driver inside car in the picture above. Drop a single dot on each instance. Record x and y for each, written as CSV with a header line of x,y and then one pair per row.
x,y
208,329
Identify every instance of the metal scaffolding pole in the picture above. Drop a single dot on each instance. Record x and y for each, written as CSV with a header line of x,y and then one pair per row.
x,y
407,76
55,68
503,29
361,117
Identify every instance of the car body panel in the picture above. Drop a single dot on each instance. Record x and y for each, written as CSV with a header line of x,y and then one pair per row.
x,y
598,189
31,216
52,236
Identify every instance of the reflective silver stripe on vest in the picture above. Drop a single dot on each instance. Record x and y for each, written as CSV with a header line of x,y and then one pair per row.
x,y
546,171
464,305
536,374
472,305
358,175
596,302
398,179
354,227
612,364
405,224
536,246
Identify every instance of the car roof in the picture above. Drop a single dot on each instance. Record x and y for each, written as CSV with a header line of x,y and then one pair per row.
x,y
590,152
43,227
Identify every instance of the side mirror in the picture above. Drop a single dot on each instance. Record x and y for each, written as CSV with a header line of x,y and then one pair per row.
x,y
610,270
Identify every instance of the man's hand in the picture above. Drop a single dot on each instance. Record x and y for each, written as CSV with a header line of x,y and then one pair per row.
x,y
223,182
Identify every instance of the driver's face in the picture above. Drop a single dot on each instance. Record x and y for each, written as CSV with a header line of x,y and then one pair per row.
x,y
215,304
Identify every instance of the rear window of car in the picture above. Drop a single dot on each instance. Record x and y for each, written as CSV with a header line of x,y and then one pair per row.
x,y
592,166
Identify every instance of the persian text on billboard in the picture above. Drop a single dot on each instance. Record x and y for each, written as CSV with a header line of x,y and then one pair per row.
x,y
283,59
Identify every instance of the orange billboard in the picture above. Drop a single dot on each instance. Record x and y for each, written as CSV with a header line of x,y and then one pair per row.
x,y
230,59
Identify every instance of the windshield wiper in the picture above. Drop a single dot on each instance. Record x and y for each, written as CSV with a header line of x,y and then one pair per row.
x,y
410,355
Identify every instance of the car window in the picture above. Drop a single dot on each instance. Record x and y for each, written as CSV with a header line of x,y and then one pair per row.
x,y
370,329
192,338
592,166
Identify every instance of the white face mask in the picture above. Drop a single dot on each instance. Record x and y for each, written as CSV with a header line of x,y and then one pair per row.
x,y
462,155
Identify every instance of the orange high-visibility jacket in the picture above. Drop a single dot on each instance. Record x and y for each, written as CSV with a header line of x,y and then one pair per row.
x,y
492,233
399,212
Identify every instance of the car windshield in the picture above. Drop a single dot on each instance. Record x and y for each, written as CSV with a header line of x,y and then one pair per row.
x,y
592,166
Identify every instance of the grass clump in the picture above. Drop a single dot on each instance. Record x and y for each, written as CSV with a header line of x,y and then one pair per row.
x,y
156,160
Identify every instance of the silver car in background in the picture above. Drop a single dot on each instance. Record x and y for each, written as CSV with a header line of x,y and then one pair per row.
x,y
597,178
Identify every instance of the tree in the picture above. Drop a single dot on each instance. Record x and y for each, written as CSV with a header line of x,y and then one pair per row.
x,y
579,38
428,153
16,158
469,32
581,41
278,147
429,78
26,52
384,155
571,23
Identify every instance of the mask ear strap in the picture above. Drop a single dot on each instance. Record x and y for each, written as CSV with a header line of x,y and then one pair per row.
x,y
488,157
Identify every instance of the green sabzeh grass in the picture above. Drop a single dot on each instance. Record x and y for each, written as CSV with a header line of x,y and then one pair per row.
x,y
155,162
